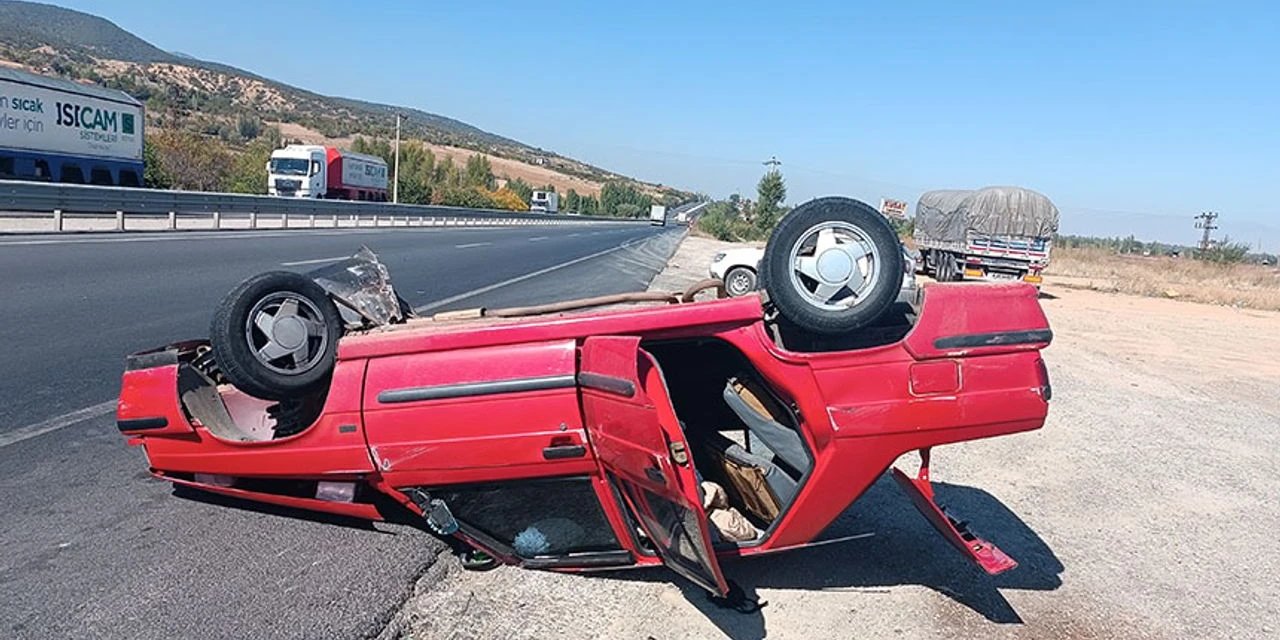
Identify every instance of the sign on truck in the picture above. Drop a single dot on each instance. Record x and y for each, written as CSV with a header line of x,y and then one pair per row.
x,y
62,131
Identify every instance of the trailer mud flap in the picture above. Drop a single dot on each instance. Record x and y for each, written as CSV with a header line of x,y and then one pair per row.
x,y
920,490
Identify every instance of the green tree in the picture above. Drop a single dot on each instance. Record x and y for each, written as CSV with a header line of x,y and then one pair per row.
x,y
192,161
249,128
1226,252
770,194
572,201
522,189
628,210
153,174
478,172
248,174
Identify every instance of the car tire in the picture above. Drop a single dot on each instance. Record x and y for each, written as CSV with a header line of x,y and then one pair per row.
x,y
275,336
832,265
739,281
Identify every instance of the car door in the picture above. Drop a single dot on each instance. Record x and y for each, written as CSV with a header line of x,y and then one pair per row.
x,y
639,442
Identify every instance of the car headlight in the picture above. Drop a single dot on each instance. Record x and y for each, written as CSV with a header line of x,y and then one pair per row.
x,y
718,257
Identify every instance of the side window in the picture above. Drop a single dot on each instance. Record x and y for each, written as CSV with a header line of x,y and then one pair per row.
x,y
101,176
315,167
7,169
72,173
535,518
129,178
42,170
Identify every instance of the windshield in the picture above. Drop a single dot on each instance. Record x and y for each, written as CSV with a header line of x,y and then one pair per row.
x,y
290,166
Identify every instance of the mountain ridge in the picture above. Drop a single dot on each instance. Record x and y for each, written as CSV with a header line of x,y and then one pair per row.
x,y
213,97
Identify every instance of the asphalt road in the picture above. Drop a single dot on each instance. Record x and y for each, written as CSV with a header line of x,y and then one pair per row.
x,y
93,547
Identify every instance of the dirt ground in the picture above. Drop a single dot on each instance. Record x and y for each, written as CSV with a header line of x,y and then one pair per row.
x,y
1145,508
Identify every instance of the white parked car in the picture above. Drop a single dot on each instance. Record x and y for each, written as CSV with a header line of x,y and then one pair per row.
x,y
738,268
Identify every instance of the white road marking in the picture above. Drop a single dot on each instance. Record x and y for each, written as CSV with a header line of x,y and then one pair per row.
x,y
498,285
53,424
537,238
298,263
471,244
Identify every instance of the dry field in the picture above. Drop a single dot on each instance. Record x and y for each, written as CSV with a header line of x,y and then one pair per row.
x,y
1240,285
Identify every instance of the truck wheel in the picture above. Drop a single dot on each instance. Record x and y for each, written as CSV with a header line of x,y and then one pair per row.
x,y
948,267
739,281
832,265
275,336
942,266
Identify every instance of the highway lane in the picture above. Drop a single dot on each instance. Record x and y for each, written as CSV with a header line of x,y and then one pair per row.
x,y
94,548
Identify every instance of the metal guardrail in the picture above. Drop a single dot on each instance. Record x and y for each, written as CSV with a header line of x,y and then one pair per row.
x,y
62,201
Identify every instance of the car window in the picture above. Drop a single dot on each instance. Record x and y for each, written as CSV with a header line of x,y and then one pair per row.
x,y
535,518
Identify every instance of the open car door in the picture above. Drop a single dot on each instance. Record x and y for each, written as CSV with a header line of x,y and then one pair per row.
x,y
638,440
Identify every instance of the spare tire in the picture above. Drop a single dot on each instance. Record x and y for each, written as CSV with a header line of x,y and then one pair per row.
x,y
275,336
832,265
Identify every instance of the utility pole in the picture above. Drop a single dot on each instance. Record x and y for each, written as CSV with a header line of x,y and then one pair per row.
x,y
773,163
1205,221
395,189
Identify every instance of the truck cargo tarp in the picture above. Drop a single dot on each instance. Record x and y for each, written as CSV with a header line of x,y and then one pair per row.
x,y
948,215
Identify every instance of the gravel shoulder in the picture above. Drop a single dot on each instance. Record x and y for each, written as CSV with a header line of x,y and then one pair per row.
x,y
1143,509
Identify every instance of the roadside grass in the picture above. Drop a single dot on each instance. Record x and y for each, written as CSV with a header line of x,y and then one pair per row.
x,y
1240,285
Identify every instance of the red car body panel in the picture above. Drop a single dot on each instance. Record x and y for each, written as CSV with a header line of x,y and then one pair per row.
x,y
434,404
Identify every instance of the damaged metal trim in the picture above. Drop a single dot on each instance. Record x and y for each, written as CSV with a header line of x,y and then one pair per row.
x,y
142,424
1000,338
608,384
439,392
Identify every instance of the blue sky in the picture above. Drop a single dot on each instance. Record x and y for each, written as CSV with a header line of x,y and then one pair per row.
x,y
1131,116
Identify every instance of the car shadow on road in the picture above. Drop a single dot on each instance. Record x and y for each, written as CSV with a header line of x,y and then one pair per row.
x,y
904,550
206,497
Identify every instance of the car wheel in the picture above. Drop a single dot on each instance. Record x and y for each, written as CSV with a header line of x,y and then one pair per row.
x,y
275,336
739,281
832,265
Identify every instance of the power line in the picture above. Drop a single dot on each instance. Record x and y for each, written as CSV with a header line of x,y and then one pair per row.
x,y
1205,221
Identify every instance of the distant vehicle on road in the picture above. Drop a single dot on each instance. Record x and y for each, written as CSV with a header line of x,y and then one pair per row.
x,y
739,270
682,217
319,172
658,215
996,233
55,130
544,202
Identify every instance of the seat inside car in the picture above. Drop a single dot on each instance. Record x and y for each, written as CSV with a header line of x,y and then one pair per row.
x,y
763,417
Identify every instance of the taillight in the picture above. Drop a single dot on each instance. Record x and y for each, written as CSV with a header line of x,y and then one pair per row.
x,y
1046,389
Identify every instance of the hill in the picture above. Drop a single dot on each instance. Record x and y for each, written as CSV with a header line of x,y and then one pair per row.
x,y
185,93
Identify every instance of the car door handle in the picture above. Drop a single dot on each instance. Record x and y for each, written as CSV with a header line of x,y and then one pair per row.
x,y
564,451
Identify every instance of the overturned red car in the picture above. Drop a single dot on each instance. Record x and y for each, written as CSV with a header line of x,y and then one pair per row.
x,y
587,440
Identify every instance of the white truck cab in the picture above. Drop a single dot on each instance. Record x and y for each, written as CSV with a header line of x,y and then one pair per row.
x,y
298,171
544,202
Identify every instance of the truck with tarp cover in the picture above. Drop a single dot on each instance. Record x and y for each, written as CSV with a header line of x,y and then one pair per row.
x,y
994,233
